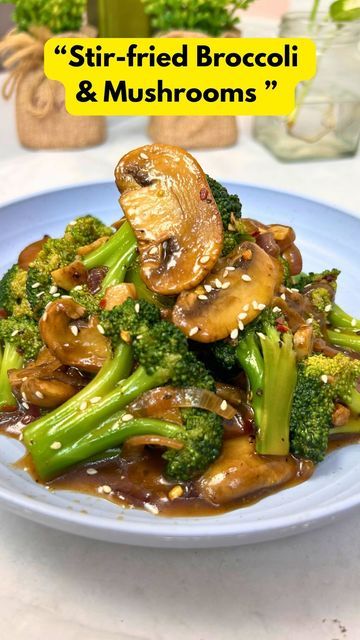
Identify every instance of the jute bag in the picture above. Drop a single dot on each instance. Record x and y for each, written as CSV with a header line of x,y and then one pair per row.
x,y
41,118
194,132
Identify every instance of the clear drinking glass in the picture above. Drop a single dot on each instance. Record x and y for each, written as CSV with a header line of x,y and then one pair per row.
x,y
326,121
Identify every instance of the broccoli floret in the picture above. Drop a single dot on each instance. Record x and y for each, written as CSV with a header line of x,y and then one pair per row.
x,y
132,317
162,354
304,279
13,296
320,299
19,342
230,209
224,352
321,381
90,301
85,230
268,359
343,330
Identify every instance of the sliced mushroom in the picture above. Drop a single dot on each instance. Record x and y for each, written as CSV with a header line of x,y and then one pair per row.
x,y
70,276
169,204
117,295
233,295
28,255
81,346
239,472
284,236
44,366
47,393
294,259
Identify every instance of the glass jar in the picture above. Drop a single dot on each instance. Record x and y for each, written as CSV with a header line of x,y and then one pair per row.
x,y
326,120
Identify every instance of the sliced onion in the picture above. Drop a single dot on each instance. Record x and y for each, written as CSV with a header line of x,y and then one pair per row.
x,y
165,398
159,441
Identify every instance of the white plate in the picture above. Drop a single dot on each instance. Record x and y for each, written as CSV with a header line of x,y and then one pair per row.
x,y
327,238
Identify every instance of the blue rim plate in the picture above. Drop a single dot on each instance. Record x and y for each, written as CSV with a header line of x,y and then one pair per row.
x,y
327,237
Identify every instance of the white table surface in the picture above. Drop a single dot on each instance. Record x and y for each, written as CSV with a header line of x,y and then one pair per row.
x,y
55,585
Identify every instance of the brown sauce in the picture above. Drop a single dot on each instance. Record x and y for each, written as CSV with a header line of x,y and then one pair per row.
x,y
138,481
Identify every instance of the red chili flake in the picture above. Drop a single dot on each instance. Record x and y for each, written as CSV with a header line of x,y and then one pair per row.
x,y
3,313
255,234
282,328
102,303
203,193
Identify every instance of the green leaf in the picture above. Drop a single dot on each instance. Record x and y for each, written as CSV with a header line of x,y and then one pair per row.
x,y
345,10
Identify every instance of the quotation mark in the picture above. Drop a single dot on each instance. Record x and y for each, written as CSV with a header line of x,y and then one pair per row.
x,y
62,50
270,84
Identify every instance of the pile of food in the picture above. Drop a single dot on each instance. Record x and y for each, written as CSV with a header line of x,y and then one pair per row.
x,y
179,360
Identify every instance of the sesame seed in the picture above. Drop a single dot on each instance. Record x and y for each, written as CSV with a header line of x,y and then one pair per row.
x,y
353,322
175,492
100,329
223,405
283,296
309,320
193,331
91,471
41,293
143,156
328,308
21,437
234,334
23,395
14,333
35,285
39,395
242,316
241,325
226,273
66,298
56,445
53,289
261,306
324,379
276,309
246,277
230,268
83,405
294,290
152,508
126,417
204,259
78,287
208,287
25,405
137,308
44,317
254,304
202,296
153,250
56,295
74,330
225,285
218,284
261,335
95,399
246,307
106,488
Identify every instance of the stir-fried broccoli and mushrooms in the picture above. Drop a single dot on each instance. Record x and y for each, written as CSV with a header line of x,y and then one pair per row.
x,y
183,348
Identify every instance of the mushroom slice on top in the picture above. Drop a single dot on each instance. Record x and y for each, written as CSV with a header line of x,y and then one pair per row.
x,y
169,204
231,296
83,345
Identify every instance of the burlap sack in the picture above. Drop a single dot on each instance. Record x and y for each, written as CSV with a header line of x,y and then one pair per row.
x,y
41,118
194,132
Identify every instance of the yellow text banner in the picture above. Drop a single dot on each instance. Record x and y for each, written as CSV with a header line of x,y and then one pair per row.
x,y
176,76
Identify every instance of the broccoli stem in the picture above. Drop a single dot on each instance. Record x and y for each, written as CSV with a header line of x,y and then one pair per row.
x,y
9,359
144,293
272,437
117,271
339,319
113,432
352,426
354,402
344,339
38,439
114,370
107,255
272,379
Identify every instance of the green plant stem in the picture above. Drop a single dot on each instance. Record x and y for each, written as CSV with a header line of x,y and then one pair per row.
x,y
352,426
344,339
9,359
108,253
314,11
